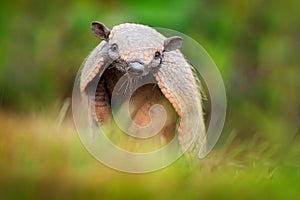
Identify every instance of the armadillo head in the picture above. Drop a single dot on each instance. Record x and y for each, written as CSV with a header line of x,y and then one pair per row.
x,y
135,49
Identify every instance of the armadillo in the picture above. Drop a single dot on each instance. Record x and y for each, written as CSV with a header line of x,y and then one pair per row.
x,y
139,51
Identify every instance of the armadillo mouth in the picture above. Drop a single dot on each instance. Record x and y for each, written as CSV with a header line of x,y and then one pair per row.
x,y
139,105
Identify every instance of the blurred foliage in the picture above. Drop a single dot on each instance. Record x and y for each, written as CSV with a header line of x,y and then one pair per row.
x,y
39,160
255,44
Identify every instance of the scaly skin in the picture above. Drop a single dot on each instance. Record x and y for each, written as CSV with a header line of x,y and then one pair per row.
x,y
175,83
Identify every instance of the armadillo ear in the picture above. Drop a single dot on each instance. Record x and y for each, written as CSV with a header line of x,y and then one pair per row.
x,y
172,43
100,30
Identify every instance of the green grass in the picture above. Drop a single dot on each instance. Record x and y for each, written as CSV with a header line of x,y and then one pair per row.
x,y
40,160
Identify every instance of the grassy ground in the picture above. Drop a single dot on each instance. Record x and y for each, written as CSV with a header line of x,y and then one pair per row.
x,y
40,160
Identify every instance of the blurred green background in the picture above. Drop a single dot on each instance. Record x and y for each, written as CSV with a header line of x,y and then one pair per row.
x,y
256,46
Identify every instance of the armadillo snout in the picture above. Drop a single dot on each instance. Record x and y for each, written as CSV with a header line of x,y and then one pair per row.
x,y
137,69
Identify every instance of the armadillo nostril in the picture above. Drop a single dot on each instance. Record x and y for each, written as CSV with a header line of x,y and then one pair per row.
x,y
136,69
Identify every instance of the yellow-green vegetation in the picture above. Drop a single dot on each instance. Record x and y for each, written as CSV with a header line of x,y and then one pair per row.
x,y
40,159
255,45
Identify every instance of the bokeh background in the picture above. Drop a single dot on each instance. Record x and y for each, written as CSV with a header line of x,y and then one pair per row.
x,y
255,45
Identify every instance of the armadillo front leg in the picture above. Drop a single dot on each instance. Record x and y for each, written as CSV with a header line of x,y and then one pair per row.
x,y
140,106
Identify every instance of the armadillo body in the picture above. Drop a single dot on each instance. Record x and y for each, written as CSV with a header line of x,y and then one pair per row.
x,y
140,52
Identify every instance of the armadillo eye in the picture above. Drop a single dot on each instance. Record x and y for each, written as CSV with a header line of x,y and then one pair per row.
x,y
114,47
157,55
